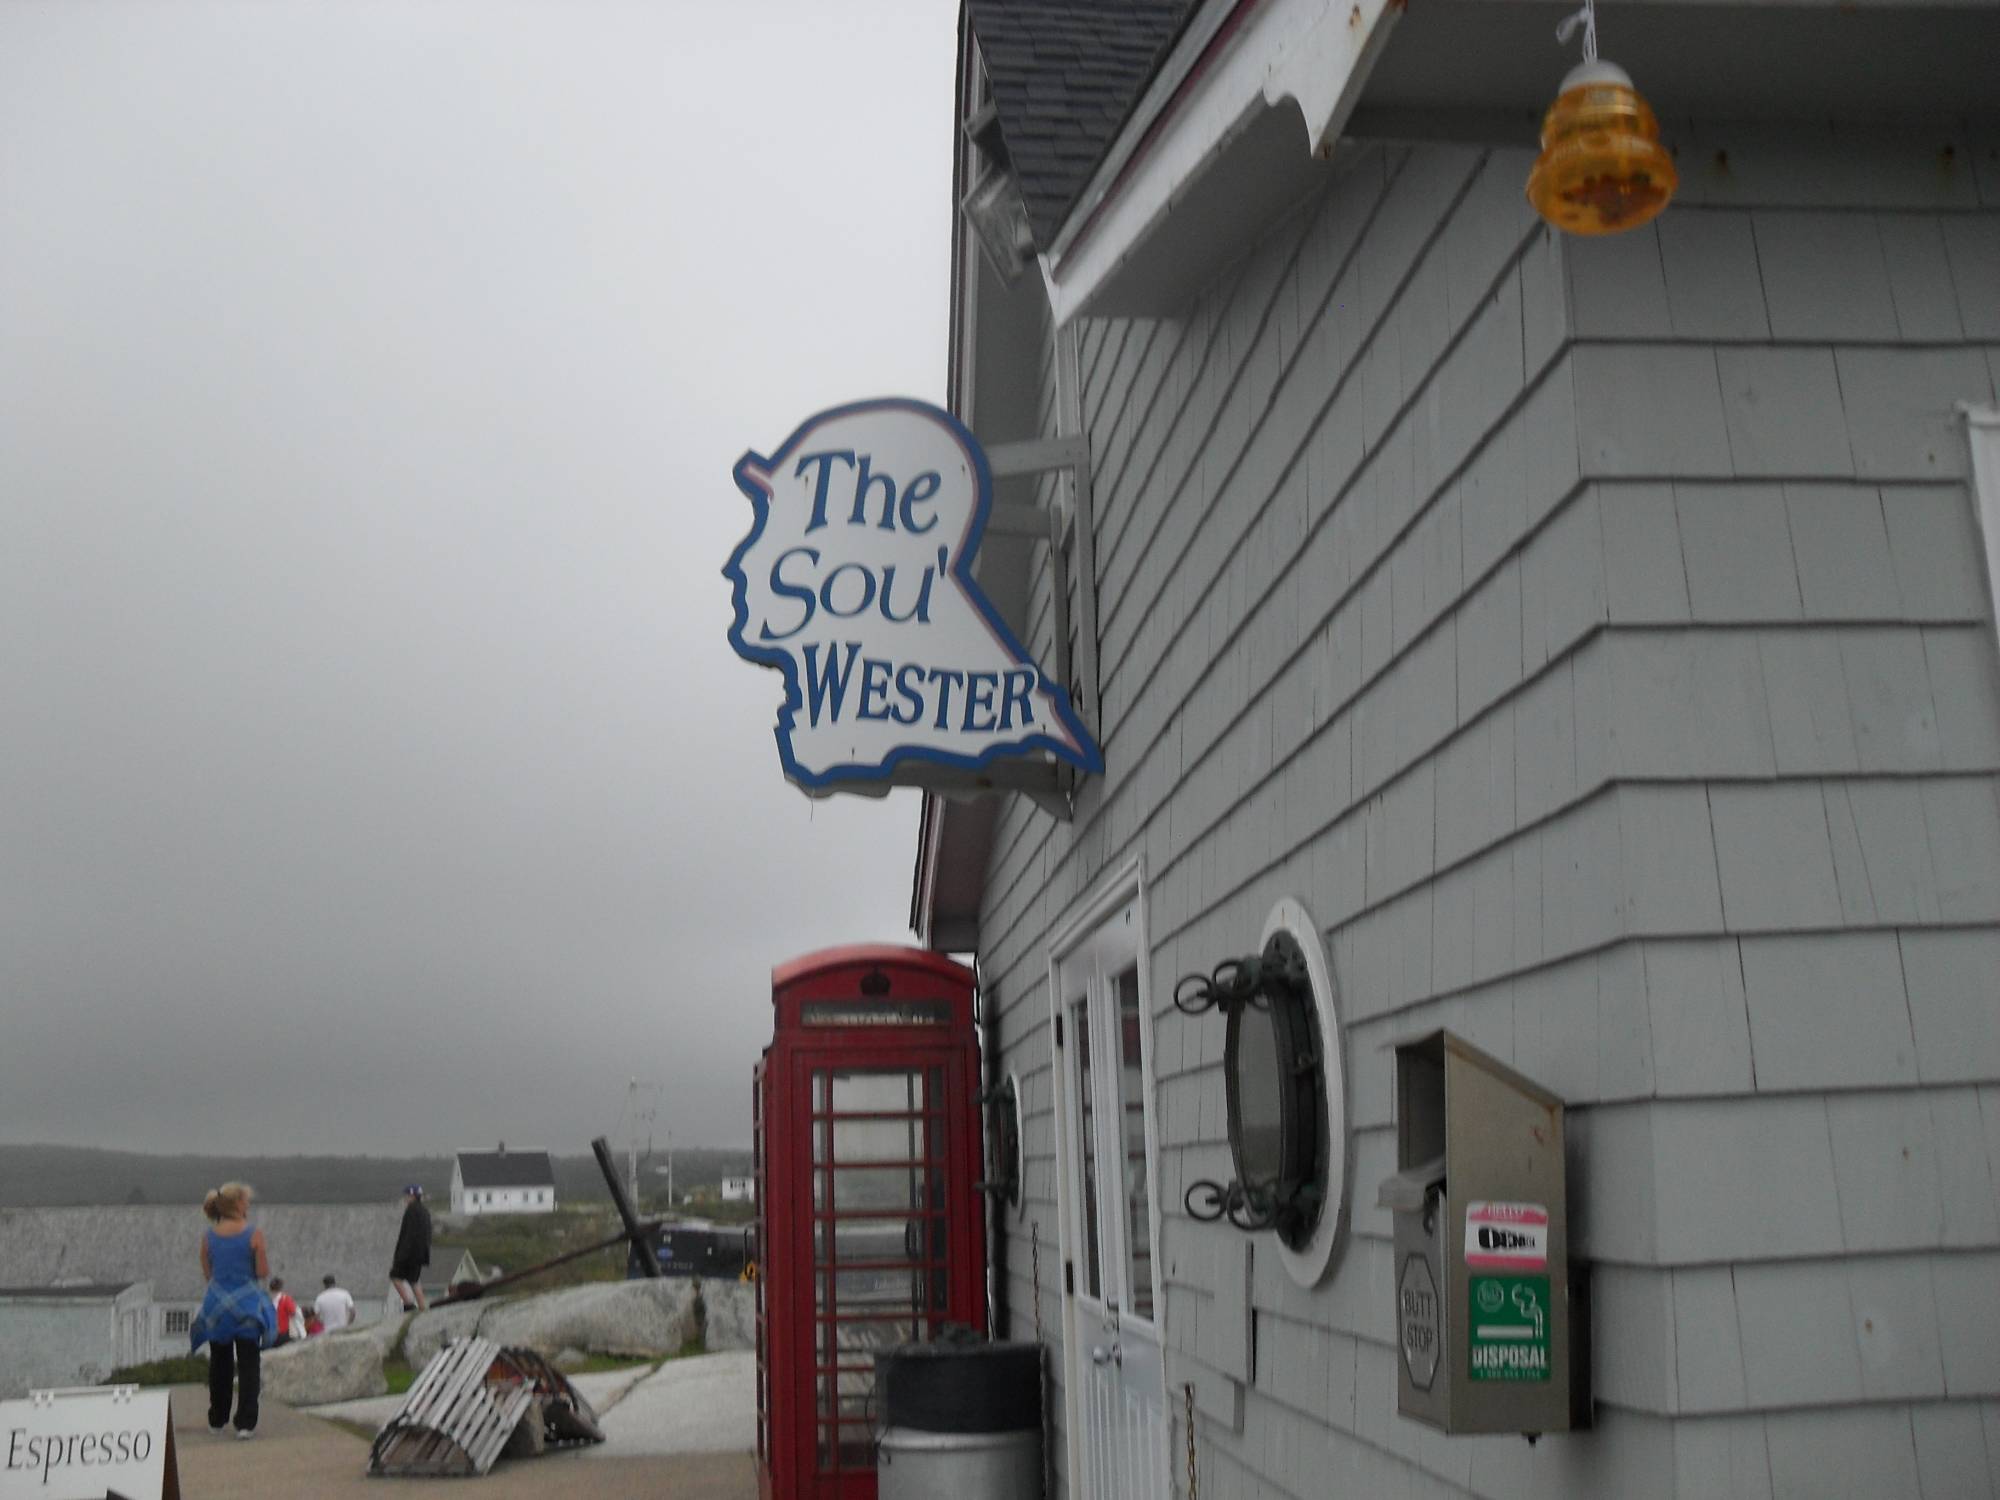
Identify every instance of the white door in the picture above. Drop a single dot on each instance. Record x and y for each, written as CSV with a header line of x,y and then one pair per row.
x,y
1116,1386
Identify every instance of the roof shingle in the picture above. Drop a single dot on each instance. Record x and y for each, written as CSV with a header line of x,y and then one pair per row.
x,y
506,1169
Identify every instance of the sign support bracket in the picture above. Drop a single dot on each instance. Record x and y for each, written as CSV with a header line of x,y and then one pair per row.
x,y
1060,527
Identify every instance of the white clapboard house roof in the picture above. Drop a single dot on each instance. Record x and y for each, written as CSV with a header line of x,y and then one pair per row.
x,y
506,1169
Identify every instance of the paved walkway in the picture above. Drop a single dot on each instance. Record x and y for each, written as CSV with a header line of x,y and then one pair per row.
x,y
706,1404
688,1430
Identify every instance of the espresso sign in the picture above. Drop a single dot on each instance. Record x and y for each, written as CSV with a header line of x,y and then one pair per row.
x,y
88,1444
855,583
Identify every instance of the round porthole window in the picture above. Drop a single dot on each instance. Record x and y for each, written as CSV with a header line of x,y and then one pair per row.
x,y
1285,1083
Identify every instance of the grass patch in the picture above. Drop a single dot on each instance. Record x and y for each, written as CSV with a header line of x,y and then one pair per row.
x,y
515,1242
188,1369
400,1376
707,1206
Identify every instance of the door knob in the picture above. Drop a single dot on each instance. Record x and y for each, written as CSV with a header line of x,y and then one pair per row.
x,y
1099,1355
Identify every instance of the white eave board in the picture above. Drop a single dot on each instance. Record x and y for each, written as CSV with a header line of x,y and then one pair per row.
x,y
1234,62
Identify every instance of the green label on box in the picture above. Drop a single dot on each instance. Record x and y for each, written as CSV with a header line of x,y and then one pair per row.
x,y
1509,1327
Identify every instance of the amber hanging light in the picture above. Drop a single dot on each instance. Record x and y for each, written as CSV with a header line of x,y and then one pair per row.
x,y
1602,169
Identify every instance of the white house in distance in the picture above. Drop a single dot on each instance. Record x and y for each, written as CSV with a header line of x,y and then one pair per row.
x,y
503,1182
739,1190
70,1335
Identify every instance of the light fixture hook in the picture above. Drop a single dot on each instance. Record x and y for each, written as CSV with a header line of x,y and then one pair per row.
x,y
1587,19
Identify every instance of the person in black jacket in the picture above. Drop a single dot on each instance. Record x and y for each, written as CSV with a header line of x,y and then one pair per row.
x,y
413,1250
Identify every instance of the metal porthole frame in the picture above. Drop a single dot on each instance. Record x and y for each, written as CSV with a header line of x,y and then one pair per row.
x,y
1309,1264
1287,1203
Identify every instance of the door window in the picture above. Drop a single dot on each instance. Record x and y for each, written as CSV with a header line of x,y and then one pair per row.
x,y
1110,1165
1086,1138
1131,1075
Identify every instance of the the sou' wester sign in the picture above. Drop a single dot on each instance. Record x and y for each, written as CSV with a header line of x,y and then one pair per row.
x,y
855,583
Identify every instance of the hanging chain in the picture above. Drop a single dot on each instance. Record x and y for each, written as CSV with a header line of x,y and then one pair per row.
x,y
1035,1271
1194,1479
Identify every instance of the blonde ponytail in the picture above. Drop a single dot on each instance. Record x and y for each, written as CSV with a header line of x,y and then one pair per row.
x,y
231,1200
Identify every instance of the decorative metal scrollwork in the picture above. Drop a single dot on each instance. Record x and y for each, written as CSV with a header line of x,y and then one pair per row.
x,y
1281,1102
1245,981
1249,1206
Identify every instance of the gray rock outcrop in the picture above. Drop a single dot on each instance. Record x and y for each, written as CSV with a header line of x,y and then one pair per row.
x,y
732,1315
431,1331
638,1318
642,1318
335,1367
387,1332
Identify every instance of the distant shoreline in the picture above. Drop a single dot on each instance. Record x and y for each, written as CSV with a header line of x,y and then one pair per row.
x,y
51,1176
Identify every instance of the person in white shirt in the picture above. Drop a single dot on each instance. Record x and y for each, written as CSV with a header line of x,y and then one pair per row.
x,y
334,1306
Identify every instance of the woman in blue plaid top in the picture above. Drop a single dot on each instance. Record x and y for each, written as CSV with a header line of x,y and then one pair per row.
x,y
236,1320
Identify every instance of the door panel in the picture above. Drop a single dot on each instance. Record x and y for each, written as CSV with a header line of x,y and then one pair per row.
x,y
880,1239
1116,1393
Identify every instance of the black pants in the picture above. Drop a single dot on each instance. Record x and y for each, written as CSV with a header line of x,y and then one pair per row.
x,y
234,1361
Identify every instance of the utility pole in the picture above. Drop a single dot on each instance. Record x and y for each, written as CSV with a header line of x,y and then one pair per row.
x,y
668,1172
639,1117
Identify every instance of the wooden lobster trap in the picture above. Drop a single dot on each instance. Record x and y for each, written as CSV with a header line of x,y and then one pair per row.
x,y
475,1403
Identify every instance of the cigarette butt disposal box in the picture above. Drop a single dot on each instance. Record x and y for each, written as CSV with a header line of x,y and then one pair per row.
x,y
1492,1328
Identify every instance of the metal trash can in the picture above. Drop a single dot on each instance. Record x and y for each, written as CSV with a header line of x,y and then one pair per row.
x,y
961,1418
913,1465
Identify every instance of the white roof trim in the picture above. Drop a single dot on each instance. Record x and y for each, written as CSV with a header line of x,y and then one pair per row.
x,y
1315,52
1982,424
1153,102
930,840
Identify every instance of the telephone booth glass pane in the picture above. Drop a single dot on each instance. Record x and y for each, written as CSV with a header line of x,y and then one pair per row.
x,y
1138,1181
879,1241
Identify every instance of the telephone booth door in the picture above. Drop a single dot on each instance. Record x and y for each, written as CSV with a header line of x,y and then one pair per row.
x,y
872,1235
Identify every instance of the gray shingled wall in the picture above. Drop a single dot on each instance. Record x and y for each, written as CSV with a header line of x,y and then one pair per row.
x,y
1592,636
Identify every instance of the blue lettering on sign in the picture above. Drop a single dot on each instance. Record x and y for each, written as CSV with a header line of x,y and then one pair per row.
x,y
861,589
827,684
921,488
856,584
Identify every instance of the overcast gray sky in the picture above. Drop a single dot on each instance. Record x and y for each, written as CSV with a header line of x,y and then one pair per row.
x,y
374,772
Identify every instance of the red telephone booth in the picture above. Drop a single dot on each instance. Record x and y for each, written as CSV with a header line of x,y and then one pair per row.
x,y
870,1229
